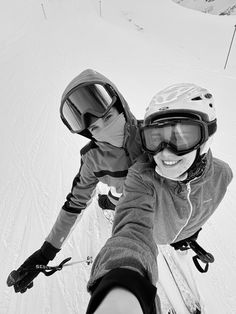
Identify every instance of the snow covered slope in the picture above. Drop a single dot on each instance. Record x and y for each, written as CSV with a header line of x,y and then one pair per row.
x,y
218,7
142,46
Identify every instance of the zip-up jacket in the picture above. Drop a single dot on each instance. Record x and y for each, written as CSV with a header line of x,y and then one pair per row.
x,y
100,162
154,210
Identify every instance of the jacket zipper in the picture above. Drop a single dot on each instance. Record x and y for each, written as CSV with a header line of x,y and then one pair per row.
x,y
191,210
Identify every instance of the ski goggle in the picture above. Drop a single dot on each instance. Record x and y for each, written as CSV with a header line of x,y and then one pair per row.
x,y
180,135
94,99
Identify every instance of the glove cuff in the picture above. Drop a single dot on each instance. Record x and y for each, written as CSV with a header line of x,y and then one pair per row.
x,y
49,251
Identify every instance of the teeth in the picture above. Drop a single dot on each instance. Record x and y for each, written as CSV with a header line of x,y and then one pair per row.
x,y
170,163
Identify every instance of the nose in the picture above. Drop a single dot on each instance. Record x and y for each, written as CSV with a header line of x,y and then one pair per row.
x,y
167,153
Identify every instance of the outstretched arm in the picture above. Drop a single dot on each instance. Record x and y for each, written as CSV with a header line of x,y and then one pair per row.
x,y
128,259
82,192
22,278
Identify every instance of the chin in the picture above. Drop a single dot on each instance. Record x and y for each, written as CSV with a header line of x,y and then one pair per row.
x,y
174,176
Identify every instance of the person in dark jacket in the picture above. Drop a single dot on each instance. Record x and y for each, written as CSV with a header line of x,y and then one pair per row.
x,y
93,107
168,195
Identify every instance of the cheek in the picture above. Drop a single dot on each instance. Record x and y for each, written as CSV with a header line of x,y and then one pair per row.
x,y
188,163
110,120
192,156
189,159
157,159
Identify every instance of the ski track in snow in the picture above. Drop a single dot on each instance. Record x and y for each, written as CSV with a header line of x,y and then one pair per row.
x,y
134,44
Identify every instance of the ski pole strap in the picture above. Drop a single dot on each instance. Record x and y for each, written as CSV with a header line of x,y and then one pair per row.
x,y
201,255
50,270
183,245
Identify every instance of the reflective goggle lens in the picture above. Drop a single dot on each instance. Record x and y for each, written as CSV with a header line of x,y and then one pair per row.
x,y
71,117
181,137
94,99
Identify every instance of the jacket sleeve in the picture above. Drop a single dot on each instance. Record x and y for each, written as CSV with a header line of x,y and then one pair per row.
x,y
82,192
132,245
129,280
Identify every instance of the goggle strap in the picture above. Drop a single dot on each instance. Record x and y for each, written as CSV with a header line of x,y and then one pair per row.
x,y
211,126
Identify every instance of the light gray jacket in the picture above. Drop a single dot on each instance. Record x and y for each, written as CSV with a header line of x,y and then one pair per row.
x,y
155,210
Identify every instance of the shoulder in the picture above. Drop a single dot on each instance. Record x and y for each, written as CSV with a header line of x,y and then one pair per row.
x,y
143,168
142,164
221,168
90,155
88,147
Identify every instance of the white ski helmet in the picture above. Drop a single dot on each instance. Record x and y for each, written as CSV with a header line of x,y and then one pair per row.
x,y
183,99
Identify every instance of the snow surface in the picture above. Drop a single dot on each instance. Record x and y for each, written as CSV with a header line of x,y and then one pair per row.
x,y
142,46
219,7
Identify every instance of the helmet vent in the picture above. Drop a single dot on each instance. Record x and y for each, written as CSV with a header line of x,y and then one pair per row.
x,y
208,96
197,98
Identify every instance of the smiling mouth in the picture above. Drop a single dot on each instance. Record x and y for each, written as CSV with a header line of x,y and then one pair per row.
x,y
169,163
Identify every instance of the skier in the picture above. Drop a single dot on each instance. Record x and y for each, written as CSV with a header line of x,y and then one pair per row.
x,y
93,107
168,195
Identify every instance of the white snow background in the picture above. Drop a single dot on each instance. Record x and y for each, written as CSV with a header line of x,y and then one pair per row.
x,y
142,46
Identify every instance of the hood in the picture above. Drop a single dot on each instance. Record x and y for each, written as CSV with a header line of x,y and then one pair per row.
x,y
93,76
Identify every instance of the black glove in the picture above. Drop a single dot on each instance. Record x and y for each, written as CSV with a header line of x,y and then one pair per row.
x,y
22,278
105,203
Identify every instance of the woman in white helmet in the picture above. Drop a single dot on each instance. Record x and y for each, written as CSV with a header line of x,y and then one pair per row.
x,y
169,193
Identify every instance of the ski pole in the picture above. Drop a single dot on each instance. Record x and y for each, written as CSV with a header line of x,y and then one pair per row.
x,y
16,276
50,270
230,47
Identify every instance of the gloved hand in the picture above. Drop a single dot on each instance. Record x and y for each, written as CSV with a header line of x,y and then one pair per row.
x,y
22,278
104,202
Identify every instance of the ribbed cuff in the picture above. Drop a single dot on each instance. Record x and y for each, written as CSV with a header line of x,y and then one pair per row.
x,y
144,291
